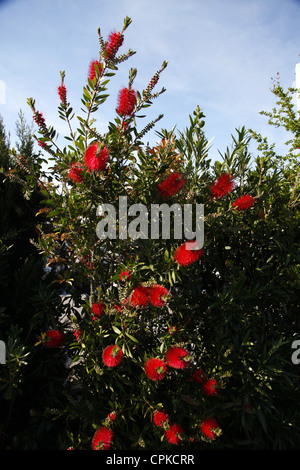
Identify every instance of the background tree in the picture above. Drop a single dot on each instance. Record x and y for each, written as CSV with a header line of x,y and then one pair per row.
x,y
4,146
28,301
25,144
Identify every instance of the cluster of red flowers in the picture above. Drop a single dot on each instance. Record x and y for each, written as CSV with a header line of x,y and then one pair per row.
x,y
96,157
244,202
187,253
77,333
139,297
104,435
222,186
92,69
115,41
209,385
126,102
112,355
62,93
176,357
210,428
97,309
160,418
174,433
111,416
102,438
171,185
42,144
155,295
76,172
125,274
155,368
54,339
39,120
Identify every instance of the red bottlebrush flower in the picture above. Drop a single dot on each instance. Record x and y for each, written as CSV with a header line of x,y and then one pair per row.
x,y
222,186
155,368
102,438
160,418
77,333
92,70
197,376
174,434
96,157
115,41
112,416
139,297
76,172
209,427
97,309
40,120
171,185
112,355
54,339
126,102
175,357
244,202
210,387
185,256
125,274
42,144
62,93
157,295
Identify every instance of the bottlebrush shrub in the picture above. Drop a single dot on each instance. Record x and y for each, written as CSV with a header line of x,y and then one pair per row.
x,y
160,329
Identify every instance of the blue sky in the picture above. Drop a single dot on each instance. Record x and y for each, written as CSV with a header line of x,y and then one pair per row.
x,y
221,56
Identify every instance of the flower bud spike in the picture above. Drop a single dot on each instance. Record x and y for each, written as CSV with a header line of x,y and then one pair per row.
x,y
61,89
62,75
101,40
132,76
127,22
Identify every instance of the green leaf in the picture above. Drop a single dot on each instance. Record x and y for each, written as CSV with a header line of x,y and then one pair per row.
x,y
116,330
131,337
